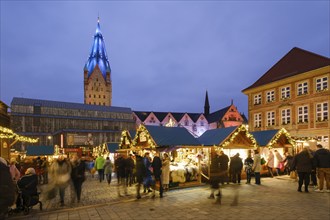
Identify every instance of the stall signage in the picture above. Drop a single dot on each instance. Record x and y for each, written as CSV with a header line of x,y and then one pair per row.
x,y
143,137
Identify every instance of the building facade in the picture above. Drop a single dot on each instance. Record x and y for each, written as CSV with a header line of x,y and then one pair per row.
x,y
97,73
195,123
69,124
293,94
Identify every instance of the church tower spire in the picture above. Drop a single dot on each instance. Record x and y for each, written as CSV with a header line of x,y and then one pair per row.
x,y
97,73
206,105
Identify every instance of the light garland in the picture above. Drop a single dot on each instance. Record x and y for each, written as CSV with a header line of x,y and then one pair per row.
x,y
125,140
241,128
273,141
9,134
150,141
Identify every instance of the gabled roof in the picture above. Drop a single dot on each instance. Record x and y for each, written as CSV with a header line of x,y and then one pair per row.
x,y
295,62
98,55
177,116
39,150
218,115
215,136
68,105
194,116
171,136
160,115
142,115
264,137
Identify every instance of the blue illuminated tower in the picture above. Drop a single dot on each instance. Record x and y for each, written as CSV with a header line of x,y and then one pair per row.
x,y
97,73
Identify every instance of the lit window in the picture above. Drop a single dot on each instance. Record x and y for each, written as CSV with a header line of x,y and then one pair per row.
x,y
285,92
270,96
257,120
257,99
270,118
302,114
322,84
302,88
322,111
286,116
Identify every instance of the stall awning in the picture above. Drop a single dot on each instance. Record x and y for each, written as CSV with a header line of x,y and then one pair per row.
x,y
264,137
39,150
112,147
215,136
171,136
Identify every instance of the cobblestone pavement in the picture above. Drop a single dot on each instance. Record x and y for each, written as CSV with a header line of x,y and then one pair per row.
x,y
276,198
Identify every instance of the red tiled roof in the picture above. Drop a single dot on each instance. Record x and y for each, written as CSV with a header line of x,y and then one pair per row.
x,y
295,62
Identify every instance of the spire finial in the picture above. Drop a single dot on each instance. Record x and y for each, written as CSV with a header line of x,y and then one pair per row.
x,y
98,19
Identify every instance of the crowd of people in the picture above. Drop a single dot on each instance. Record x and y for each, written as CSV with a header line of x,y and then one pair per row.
x,y
153,173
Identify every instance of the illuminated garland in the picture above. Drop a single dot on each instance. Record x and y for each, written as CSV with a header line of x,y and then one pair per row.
x,y
125,135
150,141
8,133
278,135
241,128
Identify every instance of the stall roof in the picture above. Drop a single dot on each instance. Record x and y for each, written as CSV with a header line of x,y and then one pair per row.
x,y
112,147
264,137
39,150
215,136
171,136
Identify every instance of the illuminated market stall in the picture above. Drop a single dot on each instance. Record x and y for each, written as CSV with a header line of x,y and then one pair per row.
x,y
181,146
279,140
231,140
126,141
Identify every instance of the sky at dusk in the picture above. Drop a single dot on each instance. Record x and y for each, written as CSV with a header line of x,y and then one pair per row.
x,y
164,55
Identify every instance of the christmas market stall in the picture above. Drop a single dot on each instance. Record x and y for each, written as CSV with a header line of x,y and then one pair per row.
x,y
231,140
271,140
126,141
178,143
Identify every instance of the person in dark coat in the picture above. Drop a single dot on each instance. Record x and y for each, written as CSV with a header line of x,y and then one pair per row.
x,y
224,160
77,175
287,163
120,166
140,174
215,176
303,163
148,181
7,188
322,164
28,186
157,172
129,170
248,163
236,166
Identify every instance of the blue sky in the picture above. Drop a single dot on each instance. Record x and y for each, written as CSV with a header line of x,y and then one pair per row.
x,y
164,55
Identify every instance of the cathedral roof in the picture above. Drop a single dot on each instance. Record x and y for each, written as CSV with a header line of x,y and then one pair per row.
x,y
98,55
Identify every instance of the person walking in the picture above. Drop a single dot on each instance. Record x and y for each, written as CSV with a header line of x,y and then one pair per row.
x,y
322,164
108,169
278,162
287,163
166,171
215,176
99,166
270,163
236,166
78,175
157,172
248,164
303,163
60,175
148,181
140,174
120,165
257,166
129,170
223,160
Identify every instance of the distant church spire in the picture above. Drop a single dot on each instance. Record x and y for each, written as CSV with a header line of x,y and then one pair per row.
x,y
206,105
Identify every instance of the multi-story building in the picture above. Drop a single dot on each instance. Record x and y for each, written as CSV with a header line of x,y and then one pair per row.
x,y
195,123
69,124
293,94
97,73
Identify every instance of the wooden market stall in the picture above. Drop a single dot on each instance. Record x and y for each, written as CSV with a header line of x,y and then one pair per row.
x,y
279,140
126,141
179,144
231,140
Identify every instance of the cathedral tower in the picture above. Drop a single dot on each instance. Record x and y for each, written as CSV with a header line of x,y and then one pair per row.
x,y
97,73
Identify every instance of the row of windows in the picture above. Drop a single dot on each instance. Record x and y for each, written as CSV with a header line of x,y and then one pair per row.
x,y
321,112
321,84
90,96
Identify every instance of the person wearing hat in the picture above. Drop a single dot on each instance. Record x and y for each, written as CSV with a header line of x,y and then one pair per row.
x,y
28,186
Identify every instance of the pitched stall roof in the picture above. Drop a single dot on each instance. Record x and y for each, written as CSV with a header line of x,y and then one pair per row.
x,y
295,62
170,136
215,136
39,150
129,135
273,138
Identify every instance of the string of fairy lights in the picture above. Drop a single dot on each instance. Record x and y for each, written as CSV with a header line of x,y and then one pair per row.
x,y
281,132
6,133
241,128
